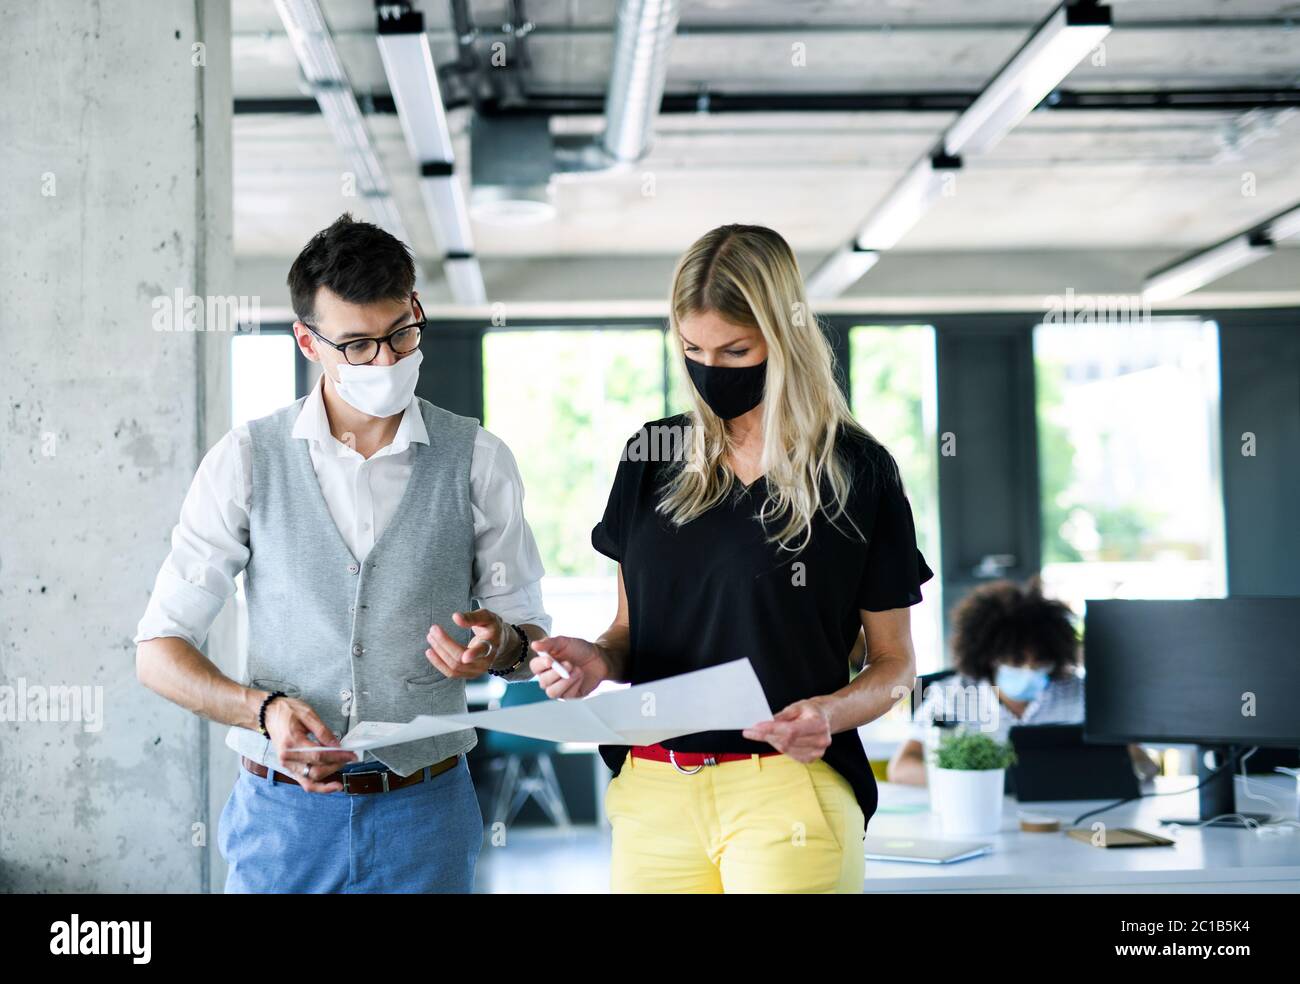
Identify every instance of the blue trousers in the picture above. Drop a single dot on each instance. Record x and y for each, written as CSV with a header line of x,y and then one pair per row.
x,y
277,837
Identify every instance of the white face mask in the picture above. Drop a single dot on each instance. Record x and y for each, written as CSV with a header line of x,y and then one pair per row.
x,y
380,391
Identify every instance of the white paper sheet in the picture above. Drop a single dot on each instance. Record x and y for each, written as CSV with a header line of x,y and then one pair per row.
x,y
721,698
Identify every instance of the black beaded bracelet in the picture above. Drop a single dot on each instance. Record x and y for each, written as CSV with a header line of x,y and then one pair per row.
x,y
261,714
523,654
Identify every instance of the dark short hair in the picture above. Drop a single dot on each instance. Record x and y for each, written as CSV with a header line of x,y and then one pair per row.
x,y
1004,621
358,261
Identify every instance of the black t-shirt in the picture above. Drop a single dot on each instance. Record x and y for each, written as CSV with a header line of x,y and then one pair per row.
x,y
715,590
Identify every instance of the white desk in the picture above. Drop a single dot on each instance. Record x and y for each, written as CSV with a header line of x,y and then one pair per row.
x,y
1207,859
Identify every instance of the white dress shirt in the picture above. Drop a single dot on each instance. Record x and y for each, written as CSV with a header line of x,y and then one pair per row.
x,y
210,542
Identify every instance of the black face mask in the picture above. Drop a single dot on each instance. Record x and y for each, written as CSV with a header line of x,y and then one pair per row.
x,y
729,391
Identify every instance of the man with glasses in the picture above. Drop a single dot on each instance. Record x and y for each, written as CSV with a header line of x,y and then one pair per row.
x,y
386,560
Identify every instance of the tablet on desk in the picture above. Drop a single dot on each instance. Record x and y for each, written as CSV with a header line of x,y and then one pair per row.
x,y
920,850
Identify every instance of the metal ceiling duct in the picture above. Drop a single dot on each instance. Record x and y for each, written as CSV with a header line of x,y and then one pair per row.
x,y
513,158
643,37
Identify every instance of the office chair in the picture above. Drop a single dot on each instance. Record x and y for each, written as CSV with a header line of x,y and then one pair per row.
x,y
526,766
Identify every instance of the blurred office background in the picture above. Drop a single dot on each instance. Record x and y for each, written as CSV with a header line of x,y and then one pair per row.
x,y
1070,387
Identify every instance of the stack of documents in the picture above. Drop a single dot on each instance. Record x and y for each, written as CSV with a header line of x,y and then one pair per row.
x,y
720,698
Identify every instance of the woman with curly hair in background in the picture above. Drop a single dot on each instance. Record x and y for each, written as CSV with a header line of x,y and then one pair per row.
x,y
1018,660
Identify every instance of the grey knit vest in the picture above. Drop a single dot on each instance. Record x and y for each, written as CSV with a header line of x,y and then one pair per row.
x,y
348,637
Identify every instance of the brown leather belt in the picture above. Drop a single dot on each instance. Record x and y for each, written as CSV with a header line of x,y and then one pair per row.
x,y
378,781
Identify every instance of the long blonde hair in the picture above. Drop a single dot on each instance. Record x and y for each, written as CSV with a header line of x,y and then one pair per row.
x,y
748,276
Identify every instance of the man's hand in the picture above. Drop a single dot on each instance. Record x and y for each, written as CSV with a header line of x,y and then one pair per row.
x,y
583,660
802,730
485,650
292,723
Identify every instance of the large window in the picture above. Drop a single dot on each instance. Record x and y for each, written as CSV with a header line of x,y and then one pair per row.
x,y
261,374
893,391
262,380
565,401
1129,460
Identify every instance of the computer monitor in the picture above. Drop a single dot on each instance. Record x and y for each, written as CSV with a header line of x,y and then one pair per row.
x,y
1221,673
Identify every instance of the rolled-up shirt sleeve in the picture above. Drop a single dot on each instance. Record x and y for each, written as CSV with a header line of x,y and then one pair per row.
x,y
507,564
209,547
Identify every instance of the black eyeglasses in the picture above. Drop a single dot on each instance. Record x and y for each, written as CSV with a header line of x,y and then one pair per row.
x,y
363,351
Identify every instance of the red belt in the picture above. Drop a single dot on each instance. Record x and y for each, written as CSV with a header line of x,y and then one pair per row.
x,y
692,760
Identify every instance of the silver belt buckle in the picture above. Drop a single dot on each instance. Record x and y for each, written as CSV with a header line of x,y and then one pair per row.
x,y
672,757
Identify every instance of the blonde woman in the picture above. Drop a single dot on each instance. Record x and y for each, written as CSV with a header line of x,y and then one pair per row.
x,y
779,533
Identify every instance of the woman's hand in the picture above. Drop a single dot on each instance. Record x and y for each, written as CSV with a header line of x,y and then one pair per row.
x,y
802,730
584,661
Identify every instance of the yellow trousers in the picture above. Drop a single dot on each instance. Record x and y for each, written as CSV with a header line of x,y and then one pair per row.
x,y
764,824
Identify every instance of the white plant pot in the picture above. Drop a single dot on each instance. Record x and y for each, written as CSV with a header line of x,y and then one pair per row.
x,y
968,801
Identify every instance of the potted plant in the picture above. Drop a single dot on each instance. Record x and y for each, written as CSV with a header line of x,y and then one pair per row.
x,y
966,783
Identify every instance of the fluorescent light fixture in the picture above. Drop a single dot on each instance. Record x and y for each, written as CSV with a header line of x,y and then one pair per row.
x,y
312,42
313,45
387,217
465,279
1059,44
906,202
343,118
447,213
840,271
413,81
1199,269
1284,226
1067,35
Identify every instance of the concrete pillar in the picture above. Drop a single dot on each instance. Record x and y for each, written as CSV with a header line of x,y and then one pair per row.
x,y
115,162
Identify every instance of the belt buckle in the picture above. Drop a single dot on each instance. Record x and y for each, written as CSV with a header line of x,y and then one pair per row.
x,y
367,772
708,760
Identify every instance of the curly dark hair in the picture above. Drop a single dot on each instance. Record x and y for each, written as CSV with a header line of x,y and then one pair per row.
x,y
1005,622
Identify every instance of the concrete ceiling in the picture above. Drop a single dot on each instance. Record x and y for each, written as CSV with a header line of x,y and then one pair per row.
x,y
1143,183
